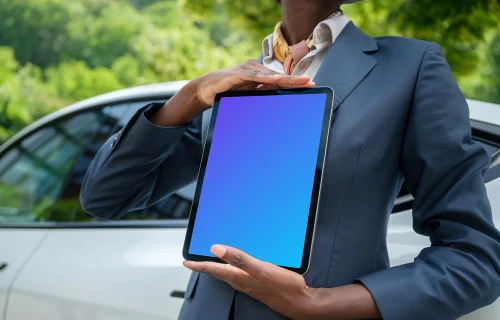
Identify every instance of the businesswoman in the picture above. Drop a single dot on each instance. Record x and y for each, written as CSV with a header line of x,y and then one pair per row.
x,y
398,116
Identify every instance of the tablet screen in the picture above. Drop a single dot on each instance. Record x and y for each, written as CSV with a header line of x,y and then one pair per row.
x,y
258,182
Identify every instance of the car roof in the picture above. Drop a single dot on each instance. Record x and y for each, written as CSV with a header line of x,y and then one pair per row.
x,y
479,111
484,112
152,91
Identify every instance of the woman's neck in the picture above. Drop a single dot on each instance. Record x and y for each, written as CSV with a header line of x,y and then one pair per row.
x,y
300,17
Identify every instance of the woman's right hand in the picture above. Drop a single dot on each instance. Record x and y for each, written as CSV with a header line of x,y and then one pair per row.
x,y
199,94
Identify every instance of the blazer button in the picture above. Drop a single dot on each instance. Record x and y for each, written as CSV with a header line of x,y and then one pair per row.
x,y
114,141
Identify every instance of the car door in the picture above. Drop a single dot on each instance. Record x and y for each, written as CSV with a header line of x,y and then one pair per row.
x,y
16,246
89,269
26,189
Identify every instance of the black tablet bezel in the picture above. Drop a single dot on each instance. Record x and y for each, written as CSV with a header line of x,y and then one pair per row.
x,y
317,176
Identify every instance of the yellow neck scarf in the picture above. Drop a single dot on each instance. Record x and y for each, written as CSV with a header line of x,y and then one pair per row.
x,y
287,55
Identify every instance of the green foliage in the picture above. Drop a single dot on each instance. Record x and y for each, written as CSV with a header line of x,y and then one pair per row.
x,y
257,17
55,52
35,29
24,97
164,14
139,4
8,64
459,26
74,80
131,72
102,37
184,53
484,84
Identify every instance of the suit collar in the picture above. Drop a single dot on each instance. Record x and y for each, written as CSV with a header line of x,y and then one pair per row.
x,y
346,63
357,39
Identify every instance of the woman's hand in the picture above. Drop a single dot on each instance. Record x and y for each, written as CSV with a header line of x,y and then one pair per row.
x,y
286,292
282,290
199,94
246,76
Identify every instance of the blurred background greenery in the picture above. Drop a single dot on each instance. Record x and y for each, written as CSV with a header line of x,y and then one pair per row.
x,y
55,52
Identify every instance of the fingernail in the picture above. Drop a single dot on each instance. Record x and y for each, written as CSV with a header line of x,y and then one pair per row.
x,y
218,251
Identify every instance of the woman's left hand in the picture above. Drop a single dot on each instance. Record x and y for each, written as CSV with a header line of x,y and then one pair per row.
x,y
281,290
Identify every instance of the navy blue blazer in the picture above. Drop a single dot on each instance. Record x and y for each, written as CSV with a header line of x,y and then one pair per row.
x,y
399,115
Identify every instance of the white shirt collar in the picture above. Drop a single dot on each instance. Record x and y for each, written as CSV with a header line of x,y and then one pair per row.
x,y
324,34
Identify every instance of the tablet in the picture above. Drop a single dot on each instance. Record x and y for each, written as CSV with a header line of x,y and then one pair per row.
x,y
260,175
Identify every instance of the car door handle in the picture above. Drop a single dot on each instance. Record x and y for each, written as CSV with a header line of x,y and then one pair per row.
x,y
3,265
178,294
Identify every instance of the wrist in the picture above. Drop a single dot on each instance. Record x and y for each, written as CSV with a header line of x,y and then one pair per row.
x,y
352,301
310,304
182,108
324,303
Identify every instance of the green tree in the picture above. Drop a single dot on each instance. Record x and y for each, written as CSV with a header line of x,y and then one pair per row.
x,y
459,26
35,29
101,35
140,4
484,84
74,80
131,72
257,17
165,13
24,98
8,64
184,52
55,52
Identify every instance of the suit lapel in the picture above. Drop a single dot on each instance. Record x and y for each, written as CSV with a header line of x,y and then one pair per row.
x,y
346,63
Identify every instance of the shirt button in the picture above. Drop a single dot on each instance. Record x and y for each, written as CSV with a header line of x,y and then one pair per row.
x,y
302,66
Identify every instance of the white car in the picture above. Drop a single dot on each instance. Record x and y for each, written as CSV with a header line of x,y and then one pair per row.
x,y
57,262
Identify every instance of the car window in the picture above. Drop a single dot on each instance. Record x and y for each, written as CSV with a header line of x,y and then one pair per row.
x,y
490,147
133,107
34,170
68,208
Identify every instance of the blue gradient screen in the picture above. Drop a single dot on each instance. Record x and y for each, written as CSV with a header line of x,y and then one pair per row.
x,y
258,181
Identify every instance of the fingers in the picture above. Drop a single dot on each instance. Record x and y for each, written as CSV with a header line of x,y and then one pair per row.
x,y
247,76
240,272
239,263
235,277
213,268
238,259
293,81
280,81
254,64
290,80
266,86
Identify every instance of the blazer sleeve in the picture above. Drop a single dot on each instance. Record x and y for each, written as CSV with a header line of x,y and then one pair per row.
x,y
444,170
141,165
